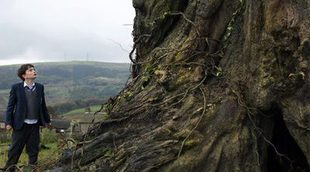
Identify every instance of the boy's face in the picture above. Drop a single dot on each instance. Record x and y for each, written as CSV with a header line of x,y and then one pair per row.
x,y
30,73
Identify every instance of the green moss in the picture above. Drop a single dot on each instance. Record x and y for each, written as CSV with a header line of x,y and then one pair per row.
x,y
106,116
180,54
181,79
267,81
128,95
168,131
108,152
231,24
182,134
219,71
159,12
192,142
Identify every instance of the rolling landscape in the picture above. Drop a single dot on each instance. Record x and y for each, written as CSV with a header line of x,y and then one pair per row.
x,y
70,85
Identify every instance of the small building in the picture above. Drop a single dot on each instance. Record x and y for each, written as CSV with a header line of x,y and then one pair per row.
x,y
60,125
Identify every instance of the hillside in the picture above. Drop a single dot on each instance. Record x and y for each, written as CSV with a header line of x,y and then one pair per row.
x,y
70,85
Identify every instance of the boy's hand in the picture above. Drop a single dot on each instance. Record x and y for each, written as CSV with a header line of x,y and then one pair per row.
x,y
8,127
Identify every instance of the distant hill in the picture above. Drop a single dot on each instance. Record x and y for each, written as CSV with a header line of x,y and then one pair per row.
x,y
70,85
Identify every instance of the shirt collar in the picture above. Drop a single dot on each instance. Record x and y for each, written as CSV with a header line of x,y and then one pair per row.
x,y
30,85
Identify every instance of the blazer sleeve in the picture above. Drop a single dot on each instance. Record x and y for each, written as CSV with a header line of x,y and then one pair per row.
x,y
45,112
11,106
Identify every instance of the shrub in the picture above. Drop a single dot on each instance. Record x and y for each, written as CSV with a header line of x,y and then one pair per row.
x,y
48,136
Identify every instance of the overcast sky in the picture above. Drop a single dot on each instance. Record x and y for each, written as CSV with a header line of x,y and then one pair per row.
x,y
58,30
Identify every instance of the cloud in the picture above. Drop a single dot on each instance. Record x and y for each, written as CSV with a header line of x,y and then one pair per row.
x,y
53,30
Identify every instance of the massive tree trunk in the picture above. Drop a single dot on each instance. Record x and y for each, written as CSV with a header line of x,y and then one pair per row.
x,y
219,85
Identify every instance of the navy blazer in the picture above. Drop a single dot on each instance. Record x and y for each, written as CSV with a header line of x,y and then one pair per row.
x,y
17,106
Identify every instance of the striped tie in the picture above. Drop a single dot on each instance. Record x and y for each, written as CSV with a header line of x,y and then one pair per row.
x,y
31,89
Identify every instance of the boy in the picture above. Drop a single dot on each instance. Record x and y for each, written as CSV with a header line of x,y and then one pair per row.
x,y
26,111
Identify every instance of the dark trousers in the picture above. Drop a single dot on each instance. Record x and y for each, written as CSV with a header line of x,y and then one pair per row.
x,y
28,135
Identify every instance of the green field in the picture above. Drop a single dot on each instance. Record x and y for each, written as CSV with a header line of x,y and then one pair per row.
x,y
47,156
80,115
81,111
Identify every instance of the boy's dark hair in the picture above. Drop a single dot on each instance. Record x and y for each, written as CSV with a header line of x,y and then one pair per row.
x,y
22,70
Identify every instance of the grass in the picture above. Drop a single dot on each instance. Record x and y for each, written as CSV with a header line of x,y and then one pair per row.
x,y
82,110
47,156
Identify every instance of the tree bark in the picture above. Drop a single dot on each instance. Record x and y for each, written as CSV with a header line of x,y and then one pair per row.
x,y
220,85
